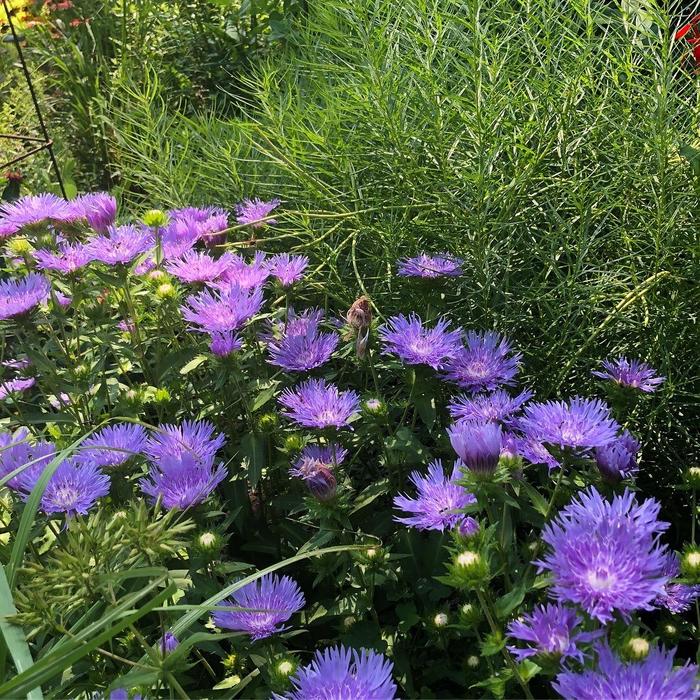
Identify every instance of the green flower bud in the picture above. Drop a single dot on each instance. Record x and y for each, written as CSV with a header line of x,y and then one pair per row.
x,y
268,422
690,563
294,443
155,217
166,291
374,407
692,477
161,395
82,370
473,661
158,277
469,569
19,247
441,620
636,648
469,614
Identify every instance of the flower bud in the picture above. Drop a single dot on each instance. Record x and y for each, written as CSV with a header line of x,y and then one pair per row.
x,y
155,217
168,643
268,422
374,407
692,477
161,395
469,614
322,483
158,277
469,569
468,528
359,314
636,648
478,445
166,291
473,661
690,563
440,620
293,443
19,247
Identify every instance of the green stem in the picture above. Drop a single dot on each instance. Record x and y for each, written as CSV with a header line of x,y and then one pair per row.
x,y
694,514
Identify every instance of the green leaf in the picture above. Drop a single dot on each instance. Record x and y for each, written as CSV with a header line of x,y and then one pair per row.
x,y
193,364
372,492
508,602
263,397
528,669
536,498
253,448
492,644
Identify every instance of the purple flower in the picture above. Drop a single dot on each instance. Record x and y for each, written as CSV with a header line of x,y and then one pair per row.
x,y
498,406
484,364
17,452
113,445
17,297
168,643
121,246
343,673
315,456
631,373
298,352
468,527
74,488
18,364
223,311
287,268
198,267
431,266
33,210
438,502
676,597
316,404
580,424
212,231
192,215
477,444
618,459
191,438
182,480
15,386
552,630
252,212
535,452
224,344
654,678
178,237
261,606
246,275
126,326
296,324
68,258
62,300
606,556
99,209
416,344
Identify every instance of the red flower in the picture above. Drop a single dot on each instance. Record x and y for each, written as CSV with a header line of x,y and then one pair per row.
x,y
691,33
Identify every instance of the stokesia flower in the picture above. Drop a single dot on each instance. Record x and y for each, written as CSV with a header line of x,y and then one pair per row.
x,y
17,452
74,488
212,231
631,373
415,344
251,212
484,364
168,643
580,424
439,500
222,311
605,556
261,606
654,678
295,324
535,452
298,352
343,673
676,597
15,386
287,268
194,266
245,275
551,630
618,459
182,480
32,211
67,259
315,456
316,404
17,297
477,444
498,406
113,445
121,246
430,266
18,364
193,438
98,209
224,344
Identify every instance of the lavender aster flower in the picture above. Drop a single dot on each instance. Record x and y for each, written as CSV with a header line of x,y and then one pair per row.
x,y
212,231
477,444
15,386
316,404
618,459
198,267
484,364
74,488
98,209
654,678
606,556
580,424
121,246
193,438
168,643
416,344
261,606
631,373
68,258
431,266
32,211
16,452
251,212
287,268
246,275
498,406
182,480
343,673
18,364
17,297
296,324
552,631
676,597
535,452
225,344
113,445
438,501
315,456
223,311
303,351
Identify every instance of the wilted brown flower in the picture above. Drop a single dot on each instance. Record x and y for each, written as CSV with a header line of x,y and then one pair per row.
x,y
360,313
